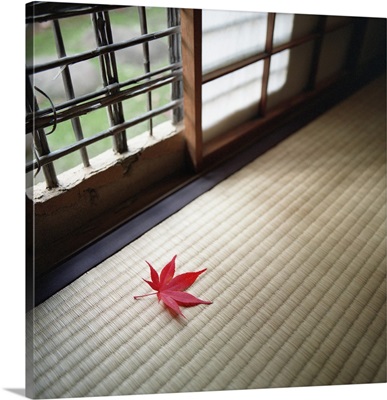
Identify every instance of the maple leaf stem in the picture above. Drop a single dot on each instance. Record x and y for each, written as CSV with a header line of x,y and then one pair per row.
x,y
144,295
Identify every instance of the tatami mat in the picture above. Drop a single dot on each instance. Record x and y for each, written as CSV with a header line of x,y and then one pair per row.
x,y
294,246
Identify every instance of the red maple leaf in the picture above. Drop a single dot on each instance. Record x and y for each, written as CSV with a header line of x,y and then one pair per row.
x,y
170,289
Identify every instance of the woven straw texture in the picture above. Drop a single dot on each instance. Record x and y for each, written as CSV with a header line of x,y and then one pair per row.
x,y
294,246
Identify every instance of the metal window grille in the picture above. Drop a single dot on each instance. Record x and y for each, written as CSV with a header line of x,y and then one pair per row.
x,y
43,121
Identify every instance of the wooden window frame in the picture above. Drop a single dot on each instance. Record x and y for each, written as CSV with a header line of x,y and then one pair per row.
x,y
204,155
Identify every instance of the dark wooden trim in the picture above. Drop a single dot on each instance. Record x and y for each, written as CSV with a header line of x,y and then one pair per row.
x,y
232,67
357,39
266,67
191,46
316,53
294,43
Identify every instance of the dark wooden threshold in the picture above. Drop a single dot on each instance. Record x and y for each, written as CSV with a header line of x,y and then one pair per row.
x,y
255,138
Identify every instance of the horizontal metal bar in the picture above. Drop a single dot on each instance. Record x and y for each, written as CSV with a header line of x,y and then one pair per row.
x,y
82,109
102,92
99,51
54,155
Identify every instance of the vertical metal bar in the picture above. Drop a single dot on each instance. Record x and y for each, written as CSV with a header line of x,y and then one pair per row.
x,y
267,61
69,90
145,50
40,140
311,83
109,74
175,57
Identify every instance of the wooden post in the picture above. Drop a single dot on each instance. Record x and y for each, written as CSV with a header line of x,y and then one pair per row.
x,y
191,34
311,84
266,65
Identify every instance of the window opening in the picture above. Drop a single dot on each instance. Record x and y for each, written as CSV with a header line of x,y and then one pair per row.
x,y
232,42
231,99
151,93
227,37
